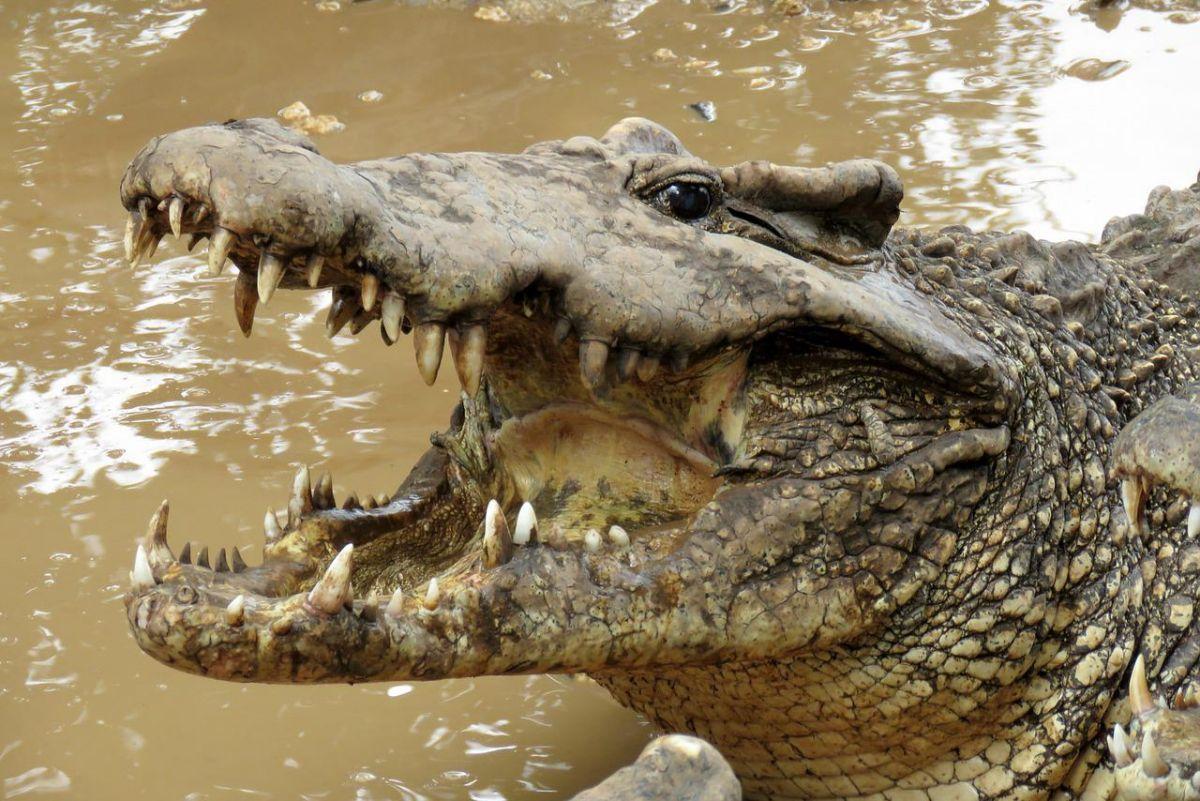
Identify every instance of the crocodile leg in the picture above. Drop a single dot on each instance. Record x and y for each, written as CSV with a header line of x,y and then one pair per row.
x,y
1159,757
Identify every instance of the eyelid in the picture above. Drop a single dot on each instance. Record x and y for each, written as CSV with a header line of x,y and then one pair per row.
x,y
700,179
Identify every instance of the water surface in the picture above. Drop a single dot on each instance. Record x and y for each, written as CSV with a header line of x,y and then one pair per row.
x,y
119,389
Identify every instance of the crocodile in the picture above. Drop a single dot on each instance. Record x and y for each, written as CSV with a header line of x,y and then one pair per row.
x,y
875,512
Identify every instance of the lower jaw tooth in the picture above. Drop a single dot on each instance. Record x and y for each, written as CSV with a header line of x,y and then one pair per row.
x,y
433,595
618,536
235,613
592,540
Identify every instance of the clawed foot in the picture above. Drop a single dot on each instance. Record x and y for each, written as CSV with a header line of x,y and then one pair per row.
x,y
1159,757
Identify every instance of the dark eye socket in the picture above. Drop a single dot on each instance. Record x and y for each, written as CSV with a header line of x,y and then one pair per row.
x,y
688,201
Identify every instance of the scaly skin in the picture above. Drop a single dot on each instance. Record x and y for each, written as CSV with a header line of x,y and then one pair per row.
x,y
868,543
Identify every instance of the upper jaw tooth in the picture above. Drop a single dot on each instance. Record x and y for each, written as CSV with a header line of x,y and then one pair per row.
x,y
392,311
428,341
468,349
270,273
175,216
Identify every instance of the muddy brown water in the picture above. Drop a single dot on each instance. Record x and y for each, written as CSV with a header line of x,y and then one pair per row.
x,y
117,390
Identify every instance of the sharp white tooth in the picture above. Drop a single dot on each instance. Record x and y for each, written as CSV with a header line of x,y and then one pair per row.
x,y
647,368
302,489
270,273
1140,700
395,605
1123,748
175,216
593,359
468,350
1131,498
1194,521
370,289
618,536
218,251
433,595
130,229
333,592
1152,762
592,540
428,341
392,311
156,538
497,540
526,530
142,577
235,613
271,529
312,269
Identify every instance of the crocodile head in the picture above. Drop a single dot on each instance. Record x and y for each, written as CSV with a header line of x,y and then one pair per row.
x,y
708,414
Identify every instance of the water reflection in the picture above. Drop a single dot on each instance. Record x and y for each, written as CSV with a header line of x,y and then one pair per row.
x,y
118,389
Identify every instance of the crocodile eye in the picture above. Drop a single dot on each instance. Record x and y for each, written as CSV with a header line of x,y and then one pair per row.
x,y
185,595
688,201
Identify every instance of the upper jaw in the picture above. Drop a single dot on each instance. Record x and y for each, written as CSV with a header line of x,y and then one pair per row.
x,y
441,243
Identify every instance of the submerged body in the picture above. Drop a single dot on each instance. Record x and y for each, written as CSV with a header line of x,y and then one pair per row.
x,y
836,500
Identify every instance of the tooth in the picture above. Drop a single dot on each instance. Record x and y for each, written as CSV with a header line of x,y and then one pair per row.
x,y
593,358
627,362
323,492
142,577
342,309
245,301
236,561
360,321
468,350
395,605
131,227
382,499
1152,762
270,273
218,251
235,613
1118,744
592,540
271,529
312,269
1194,521
202,559
497,540
222,565
302,489
185,556
333,591
562,330
370,289
432,595
1131,497
352,502
428,341
1140,701
144,247
647,368
618,536
194,239
392,311
156,538
526,530
200,214
175,216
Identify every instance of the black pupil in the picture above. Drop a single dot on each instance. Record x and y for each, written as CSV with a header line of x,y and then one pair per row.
x,y
688,201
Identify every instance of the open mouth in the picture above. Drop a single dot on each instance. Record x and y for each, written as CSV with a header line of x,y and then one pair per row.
x,y
583,480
